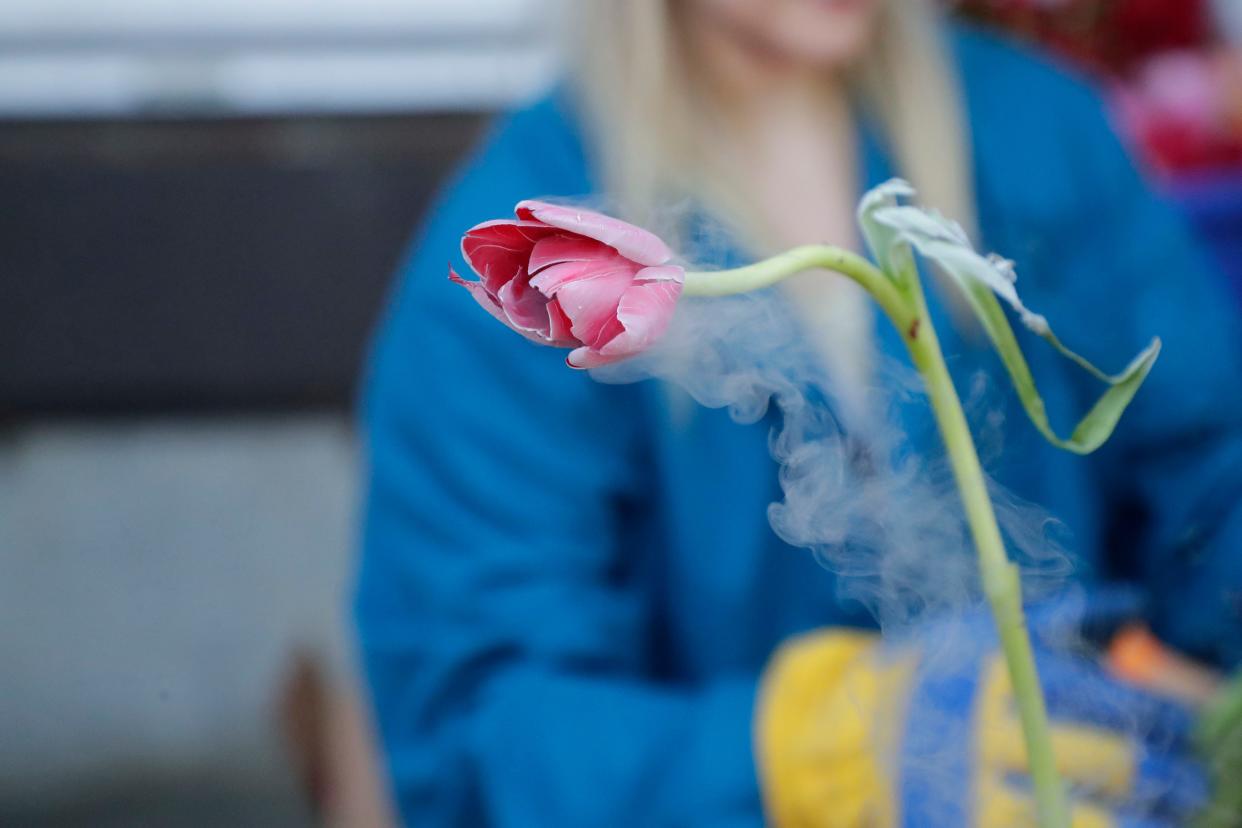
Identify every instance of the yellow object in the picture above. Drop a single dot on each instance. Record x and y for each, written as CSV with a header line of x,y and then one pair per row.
x,y
828,725
1091,758
830,719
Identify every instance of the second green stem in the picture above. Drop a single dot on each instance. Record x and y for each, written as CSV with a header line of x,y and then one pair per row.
x,y
1001,583
907,310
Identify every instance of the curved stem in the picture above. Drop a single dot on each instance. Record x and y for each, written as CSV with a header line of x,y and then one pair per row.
x,y
770,271
907,310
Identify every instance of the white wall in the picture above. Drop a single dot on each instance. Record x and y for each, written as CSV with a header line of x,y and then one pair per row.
x,y
33,18
231,57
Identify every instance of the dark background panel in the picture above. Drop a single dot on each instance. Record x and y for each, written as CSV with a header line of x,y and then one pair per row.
x,y
153,266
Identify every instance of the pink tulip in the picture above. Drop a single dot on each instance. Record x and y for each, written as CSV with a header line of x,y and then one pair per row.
x,y
574,279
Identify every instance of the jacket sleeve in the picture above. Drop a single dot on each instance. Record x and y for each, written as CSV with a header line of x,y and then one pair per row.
x,y
502,626
1174,468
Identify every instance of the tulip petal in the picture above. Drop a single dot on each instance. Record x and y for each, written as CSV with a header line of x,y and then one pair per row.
x,y
644,312
551,279
591,303
524,305
559,325
584,358
643,315
485,300
632,242
629,324
662,273
497,249
512,233
607,333
562,247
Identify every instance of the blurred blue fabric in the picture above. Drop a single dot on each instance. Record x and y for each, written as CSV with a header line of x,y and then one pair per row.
x,y
567,594
1213,204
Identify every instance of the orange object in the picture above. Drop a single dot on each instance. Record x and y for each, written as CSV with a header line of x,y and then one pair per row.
x,y
1137,656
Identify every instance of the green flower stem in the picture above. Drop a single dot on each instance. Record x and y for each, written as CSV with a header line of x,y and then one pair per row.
x,y
1001,583
770,271
906,308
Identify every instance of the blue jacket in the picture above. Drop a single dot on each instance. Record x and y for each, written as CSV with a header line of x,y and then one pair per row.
x,y
567,595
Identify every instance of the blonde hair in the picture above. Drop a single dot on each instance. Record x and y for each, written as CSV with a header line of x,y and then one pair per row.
x,y
639,100
646,123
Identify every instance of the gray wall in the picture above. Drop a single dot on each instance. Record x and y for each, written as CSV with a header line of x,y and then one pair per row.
x,y
157,577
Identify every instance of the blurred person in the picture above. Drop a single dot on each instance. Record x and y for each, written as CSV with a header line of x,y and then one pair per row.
x,y
571,606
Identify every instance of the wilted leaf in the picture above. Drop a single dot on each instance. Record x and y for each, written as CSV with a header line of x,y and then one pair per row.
x,y
893,257
891,227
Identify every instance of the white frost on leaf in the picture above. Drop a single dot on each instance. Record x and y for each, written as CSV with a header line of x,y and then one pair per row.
x,y
893,229
888,194
944,242
882,239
